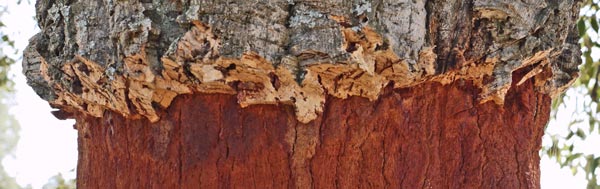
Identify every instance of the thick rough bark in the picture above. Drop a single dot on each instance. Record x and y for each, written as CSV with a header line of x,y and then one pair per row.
x,y
134,57
285,93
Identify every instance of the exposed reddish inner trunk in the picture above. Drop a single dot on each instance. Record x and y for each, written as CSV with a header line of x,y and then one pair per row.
x,y
428,136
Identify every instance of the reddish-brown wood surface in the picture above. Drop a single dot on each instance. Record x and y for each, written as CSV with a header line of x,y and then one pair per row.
x,y
428,136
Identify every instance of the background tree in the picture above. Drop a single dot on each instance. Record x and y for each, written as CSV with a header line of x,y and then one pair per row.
x,y
9,127
58,182
583,100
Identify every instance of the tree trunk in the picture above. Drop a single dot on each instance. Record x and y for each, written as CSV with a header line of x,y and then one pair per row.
x,y
299,94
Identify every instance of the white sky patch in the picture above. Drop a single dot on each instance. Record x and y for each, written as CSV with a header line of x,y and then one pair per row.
x,y
48,146
553,177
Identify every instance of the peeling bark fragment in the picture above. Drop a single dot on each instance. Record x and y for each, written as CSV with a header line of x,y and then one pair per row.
x,y
136,57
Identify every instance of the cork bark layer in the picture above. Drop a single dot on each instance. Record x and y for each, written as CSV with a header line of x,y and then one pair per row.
x,y
135,57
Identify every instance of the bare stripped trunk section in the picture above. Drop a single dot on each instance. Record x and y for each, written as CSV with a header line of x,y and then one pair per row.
x,y
305,94
208,141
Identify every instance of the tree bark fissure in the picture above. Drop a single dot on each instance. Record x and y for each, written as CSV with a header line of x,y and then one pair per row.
x,y
180,155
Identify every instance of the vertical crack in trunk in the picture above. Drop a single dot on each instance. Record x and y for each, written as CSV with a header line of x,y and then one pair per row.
x,y
384,155
479,127
128,151
517,153
180,149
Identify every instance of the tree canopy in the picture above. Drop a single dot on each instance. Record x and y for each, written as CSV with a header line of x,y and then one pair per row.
x,y
9,127
582,100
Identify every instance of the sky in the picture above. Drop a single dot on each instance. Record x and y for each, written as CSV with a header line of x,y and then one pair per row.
x,y
552,176
49,146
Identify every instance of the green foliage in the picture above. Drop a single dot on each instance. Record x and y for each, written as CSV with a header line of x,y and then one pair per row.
x,y
9,136
58,182
5,61
9,127
584,99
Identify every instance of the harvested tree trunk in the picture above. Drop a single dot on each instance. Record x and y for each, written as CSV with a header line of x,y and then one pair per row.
x,y
208,141
299,94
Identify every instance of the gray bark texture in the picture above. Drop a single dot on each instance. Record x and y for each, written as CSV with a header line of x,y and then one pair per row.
x,y
134,57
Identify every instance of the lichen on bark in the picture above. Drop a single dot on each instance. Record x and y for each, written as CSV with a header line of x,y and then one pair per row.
x,y
135,57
